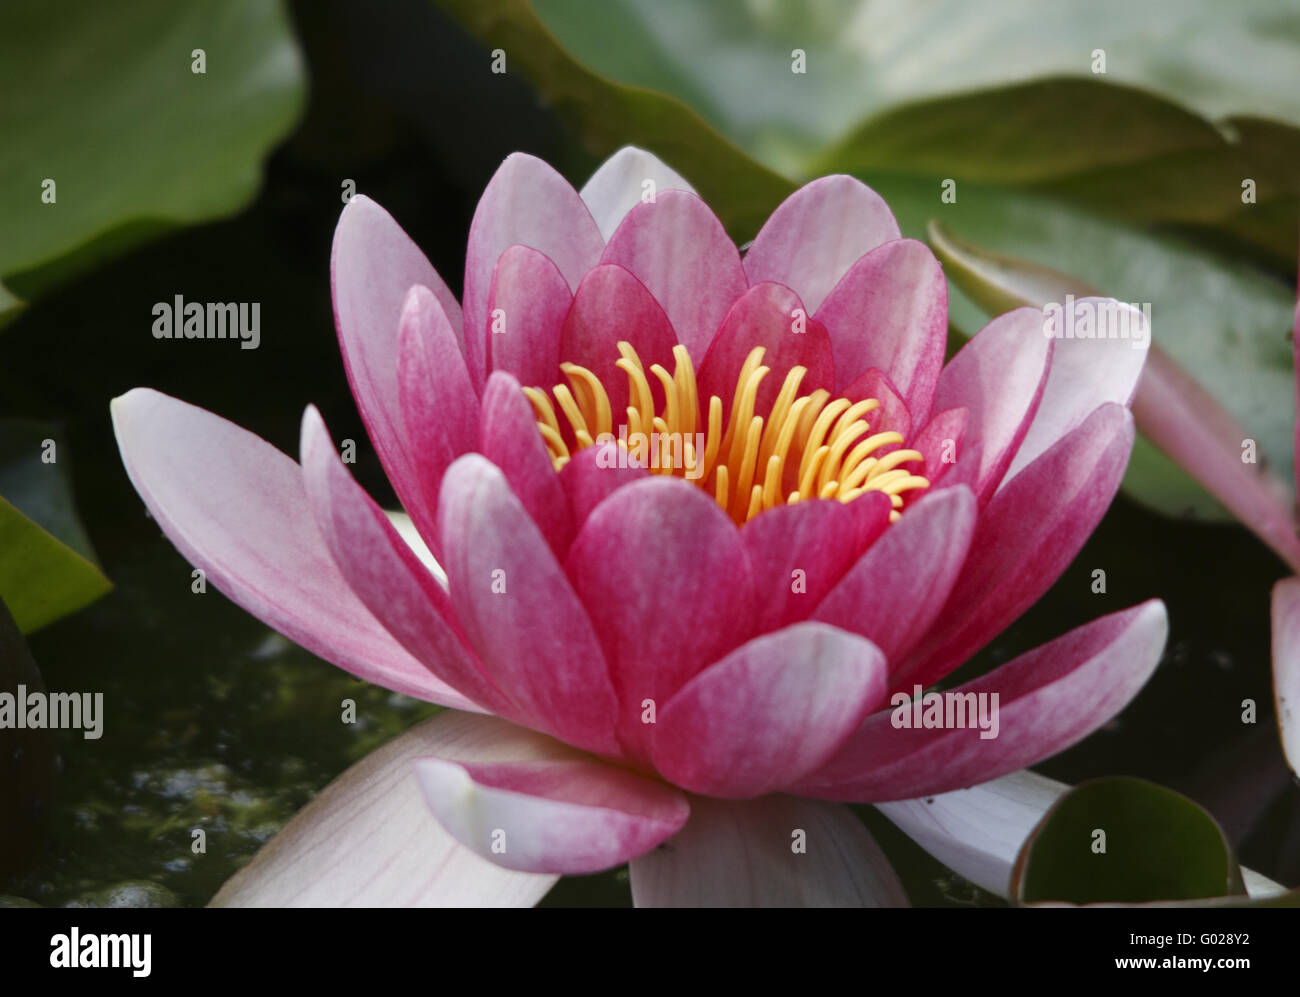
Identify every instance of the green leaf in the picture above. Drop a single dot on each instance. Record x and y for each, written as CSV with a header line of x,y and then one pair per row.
x,y
100,98
47,566
1125,840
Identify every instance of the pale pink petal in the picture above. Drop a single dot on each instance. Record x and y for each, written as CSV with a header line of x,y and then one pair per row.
x,y
235,507
680,251
1027,535
526,309
897,588
890,311
998,377
369,840
1286,667
768,713
373,265
1047,700
620,183
817,233
663,575
538,806
526,203
1086,373
777,851
384,571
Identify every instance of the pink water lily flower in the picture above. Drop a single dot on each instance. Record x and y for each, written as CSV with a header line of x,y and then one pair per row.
x,y
704,520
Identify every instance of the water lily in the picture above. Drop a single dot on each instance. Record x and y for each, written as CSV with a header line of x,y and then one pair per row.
x,y
704,522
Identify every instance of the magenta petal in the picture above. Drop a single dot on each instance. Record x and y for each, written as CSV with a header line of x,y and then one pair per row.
x,y
624,180
511,441
897,588
941,441
768,315
526,310
518,609
439,407
891,311
526,203
236,507
593,474
372,267
680,251
778,851
1286,666
611,305
537,806
663,575
1048,699
798,552
998,377
384,572
817,233
771,711
1027,535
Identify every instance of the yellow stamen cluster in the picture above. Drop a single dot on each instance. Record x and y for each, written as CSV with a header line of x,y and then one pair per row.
x,y
818,447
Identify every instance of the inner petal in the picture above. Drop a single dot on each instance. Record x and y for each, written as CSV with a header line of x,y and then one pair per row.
x,y
804,446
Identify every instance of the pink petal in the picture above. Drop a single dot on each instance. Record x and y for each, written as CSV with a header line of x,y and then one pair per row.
x,y
519,612
1027,536
777,851
372,267
999,378
893,412
528,302
771,711
1286,666
526,203
680,251
1086,373
767,315
662,573
384,571
817,233
942,443
235,507
619,185
593,474
538,806
512,442
1049,699
611,305
820,539
369,840
896,589
438,405
890,310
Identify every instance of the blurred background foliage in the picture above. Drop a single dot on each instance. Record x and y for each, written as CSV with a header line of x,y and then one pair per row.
x,y
226,185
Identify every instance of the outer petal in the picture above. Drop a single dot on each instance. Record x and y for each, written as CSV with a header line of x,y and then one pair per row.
x,y
538,806
620,184
891,311
1048,699
1086,373
526,203
531,297
666,583
998,377
1286,666
372,267
680,251
235,506
897,588
385,572
1026,537
817,233
740,855
369,840
768,713
519,611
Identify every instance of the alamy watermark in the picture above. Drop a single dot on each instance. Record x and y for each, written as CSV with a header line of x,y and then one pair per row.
x,y
678,451
82,711
946,710
1098,318
181,319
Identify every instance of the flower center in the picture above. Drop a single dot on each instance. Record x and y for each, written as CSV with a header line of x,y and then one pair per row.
x,y
808,446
